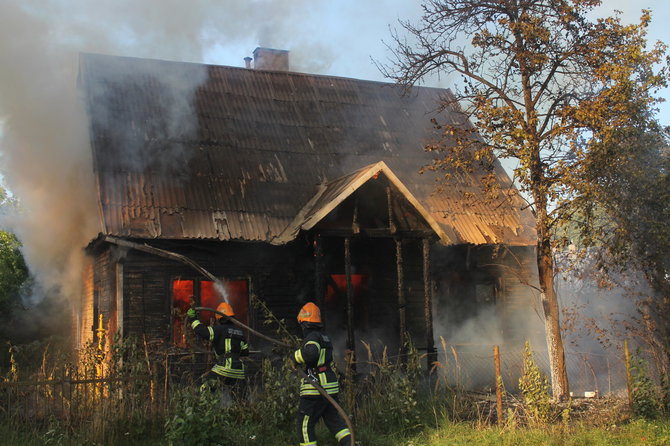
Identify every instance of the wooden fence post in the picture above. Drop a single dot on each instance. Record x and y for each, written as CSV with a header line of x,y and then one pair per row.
x,y
629,376
499,385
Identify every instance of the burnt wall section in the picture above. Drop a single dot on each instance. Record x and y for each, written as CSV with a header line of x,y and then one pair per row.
x,y
98,297
521,296
485,288
84,320
374,267
274,275
485,294
105,289
414,291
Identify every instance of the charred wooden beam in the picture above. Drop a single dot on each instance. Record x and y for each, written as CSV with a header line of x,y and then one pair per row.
x,y
319,282
162,253
402,304
431,355
389,203
355,225
377,233
118,296
351,341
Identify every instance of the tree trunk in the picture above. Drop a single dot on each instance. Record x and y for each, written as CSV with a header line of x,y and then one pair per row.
x,y
545,266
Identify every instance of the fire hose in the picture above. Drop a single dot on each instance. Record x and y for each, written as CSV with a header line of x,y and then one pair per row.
x,y
313,380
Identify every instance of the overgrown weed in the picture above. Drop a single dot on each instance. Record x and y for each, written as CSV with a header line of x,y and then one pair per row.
x,y
395,402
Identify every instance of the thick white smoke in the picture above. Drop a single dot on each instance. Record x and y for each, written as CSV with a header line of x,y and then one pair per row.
x,y
45,156
44,147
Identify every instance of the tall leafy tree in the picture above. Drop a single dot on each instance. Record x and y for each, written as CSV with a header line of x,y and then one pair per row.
x,y
627,225
13,272
545,85
13,269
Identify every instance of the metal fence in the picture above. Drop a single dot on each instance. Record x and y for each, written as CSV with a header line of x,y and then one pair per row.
x,y
74,398
472,367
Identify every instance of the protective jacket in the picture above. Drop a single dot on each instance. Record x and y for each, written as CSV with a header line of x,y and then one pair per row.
x,y
228,343
316,354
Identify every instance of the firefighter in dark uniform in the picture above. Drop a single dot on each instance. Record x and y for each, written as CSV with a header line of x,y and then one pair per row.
x,y
229,344
316,355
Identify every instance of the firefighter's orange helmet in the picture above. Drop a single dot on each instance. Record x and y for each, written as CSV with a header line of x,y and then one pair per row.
x,y
309,313
225,308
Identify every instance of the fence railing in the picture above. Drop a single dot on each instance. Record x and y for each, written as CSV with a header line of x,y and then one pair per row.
x,y
75,397
472,367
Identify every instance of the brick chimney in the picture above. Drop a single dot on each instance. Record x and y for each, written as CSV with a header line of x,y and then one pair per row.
x,y
270,59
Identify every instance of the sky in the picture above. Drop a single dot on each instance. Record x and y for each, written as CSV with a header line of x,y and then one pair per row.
x,y
45,158
341,38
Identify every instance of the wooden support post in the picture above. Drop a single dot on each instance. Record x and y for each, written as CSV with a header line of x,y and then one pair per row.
x,y
351,342
401,293
319,279
389,204
119,297
355,226
431,354
499,385
629,376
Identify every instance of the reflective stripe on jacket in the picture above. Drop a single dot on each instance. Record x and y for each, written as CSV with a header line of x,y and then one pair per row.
x,y
316,354
228,344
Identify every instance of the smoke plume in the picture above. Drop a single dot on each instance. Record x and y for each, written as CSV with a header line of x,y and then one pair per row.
x,y
45,153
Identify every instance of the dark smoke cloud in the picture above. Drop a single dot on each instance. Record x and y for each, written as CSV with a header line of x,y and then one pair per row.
x,y
44,148
45,155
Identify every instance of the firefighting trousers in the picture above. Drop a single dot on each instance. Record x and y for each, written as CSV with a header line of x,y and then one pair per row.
x,y
232,389
313,408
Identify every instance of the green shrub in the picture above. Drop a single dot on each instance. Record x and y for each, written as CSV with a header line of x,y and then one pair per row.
x,y
197,417
646,400
534,387
389,393
280,390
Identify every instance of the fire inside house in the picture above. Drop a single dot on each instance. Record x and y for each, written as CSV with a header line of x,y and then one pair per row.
x,y
288,187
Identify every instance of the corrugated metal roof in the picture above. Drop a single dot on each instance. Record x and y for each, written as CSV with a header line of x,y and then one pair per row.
x,y
212,152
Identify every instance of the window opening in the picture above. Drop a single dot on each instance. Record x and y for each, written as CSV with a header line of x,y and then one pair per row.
x,y
336,289
205,294
182,292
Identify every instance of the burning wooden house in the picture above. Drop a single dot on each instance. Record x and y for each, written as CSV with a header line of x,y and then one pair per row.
x,y
289,187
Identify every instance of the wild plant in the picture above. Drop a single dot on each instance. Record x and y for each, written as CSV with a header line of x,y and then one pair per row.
x,y
454,401
665,393
389,399
534,387
196,418
267,413
646,400
278,392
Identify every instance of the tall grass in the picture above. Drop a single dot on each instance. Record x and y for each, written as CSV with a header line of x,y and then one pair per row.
x,y
394,403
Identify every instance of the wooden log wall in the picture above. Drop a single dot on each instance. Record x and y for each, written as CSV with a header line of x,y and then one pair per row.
x,y
284,277
471,277
86,316
271,271
104,292
414,292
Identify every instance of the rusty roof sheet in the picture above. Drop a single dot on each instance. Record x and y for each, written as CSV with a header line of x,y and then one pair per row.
x,y
191,151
